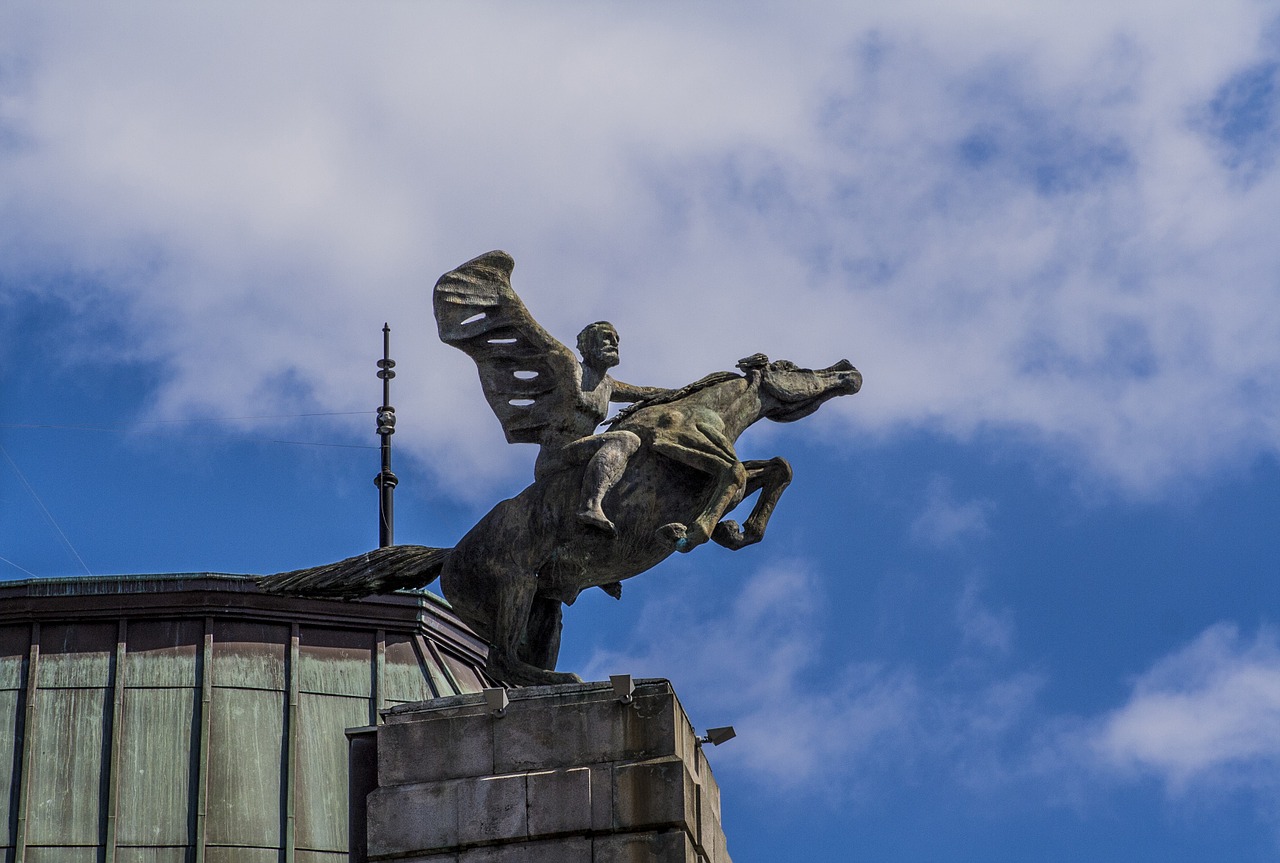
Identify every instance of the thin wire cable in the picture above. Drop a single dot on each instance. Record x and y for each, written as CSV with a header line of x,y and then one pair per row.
x,y
123,430
258,417
16,566
189,420
45,509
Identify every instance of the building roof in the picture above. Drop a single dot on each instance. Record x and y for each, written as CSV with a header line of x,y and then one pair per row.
x,y
191,716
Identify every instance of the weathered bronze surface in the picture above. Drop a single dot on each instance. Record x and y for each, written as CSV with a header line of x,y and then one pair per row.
x,y
602,507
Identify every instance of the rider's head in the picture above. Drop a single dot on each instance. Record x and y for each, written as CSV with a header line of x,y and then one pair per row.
x,y
598,344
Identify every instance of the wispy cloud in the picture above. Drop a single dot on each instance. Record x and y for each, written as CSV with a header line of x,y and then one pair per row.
x,y
945,521
1208,713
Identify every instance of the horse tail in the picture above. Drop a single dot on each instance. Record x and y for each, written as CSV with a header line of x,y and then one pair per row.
x,y
395,567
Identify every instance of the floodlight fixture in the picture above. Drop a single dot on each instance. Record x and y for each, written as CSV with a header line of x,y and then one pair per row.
x,y
624,687
716,736
497,700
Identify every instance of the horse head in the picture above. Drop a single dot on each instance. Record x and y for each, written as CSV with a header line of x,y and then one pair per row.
x,y
789,392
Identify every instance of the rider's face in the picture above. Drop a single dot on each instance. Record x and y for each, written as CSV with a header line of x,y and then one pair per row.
x,y
604,347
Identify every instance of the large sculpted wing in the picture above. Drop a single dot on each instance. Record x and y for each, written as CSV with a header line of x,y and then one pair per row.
x,y
527,375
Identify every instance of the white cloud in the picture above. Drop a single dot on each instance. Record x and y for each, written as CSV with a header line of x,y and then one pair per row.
x,y
944,521
1007,219
1208,713
982,626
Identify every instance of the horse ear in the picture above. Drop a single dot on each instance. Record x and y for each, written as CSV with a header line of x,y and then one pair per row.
x,y
753,362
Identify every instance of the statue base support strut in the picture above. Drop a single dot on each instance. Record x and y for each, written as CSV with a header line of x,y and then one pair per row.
x,y
561,774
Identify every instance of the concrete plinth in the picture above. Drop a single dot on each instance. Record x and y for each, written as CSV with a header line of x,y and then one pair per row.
x,y
567,774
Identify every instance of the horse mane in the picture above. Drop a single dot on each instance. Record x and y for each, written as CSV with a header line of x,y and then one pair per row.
x,y
674,395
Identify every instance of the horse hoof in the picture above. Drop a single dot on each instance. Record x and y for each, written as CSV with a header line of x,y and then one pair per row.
x,y
729,534
673,534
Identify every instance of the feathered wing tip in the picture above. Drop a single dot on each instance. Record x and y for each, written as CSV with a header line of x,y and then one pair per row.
x,y
380,571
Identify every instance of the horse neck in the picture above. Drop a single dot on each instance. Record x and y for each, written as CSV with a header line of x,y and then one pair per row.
x,y
739,404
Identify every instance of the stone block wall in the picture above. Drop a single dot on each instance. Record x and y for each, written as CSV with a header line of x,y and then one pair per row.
x,y
567,774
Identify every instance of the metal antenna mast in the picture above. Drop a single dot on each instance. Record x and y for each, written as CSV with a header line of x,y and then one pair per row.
x,y
386,480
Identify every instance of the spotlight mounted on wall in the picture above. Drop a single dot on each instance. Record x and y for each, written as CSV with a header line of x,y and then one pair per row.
x,y
623,687
496,699
716,736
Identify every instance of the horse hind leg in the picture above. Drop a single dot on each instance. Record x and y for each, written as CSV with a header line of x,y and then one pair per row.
x,y
526,639
771,478
541,646
502,606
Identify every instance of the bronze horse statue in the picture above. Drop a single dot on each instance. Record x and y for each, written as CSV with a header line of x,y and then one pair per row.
x,y
509,577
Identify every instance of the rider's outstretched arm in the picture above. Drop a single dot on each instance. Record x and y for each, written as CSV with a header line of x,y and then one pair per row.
x,y
624,392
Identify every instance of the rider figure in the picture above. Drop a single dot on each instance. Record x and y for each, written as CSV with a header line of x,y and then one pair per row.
x,y
572,438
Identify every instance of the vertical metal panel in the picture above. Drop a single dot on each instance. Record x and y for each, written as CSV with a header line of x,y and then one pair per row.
x,y
442,682
405,677
334,662
15,644
15,641
249,654
441,678
160,721
463,675
69,737
77,654
163,653
113,769
157,770
10,703
246,752
322,769
66,790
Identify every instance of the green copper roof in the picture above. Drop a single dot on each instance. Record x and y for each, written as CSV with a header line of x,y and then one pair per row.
x,y
191,717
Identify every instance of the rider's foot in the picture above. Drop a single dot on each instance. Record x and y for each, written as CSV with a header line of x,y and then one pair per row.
x,y
596,518
673,533
685,538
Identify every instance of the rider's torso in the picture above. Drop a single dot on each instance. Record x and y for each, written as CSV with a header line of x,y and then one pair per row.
x,y
591,407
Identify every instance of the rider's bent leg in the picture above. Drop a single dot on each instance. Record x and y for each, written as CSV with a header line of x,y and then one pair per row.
x,y
603,472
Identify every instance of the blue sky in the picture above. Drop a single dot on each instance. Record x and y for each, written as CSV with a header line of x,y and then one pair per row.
x,y
1021,601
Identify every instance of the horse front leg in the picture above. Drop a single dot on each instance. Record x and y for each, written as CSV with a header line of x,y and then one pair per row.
x,y
727,493
705,448
771,478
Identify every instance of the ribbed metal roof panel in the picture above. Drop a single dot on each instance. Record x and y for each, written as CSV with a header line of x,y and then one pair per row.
x,y
191,717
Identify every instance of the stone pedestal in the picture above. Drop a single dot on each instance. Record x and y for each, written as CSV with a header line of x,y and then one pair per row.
x,y
566,774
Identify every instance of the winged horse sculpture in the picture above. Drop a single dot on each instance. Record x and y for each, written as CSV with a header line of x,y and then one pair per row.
x,y
603,507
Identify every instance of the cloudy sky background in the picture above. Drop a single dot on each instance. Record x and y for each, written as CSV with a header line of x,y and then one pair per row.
x,y
1021,600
